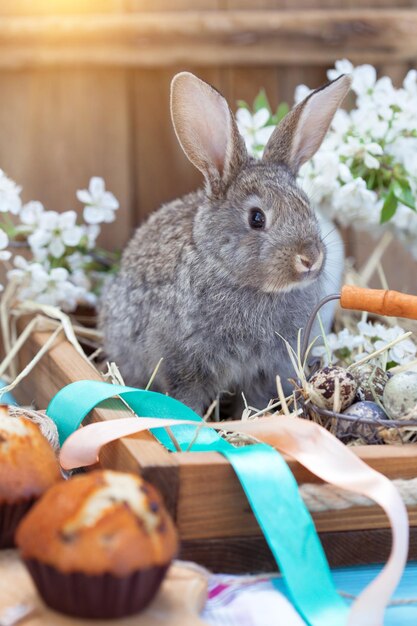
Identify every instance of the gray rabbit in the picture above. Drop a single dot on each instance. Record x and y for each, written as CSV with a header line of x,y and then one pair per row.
x,y
211,280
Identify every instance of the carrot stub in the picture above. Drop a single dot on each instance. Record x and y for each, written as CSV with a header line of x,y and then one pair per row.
x,y
392,303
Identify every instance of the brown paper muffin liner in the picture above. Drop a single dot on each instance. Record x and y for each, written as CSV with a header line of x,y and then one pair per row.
x,y
10,516
103,596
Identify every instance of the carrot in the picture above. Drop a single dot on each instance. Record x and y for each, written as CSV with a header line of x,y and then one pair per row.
x,y
392,303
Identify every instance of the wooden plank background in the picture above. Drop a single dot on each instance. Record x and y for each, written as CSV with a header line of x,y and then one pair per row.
x,y
84,86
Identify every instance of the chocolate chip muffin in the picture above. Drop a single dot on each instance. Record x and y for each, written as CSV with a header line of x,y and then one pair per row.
x,y
28,467
98,545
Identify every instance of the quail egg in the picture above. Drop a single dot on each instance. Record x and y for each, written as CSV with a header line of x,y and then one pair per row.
x,y
323,388
364,410
371,381
400,394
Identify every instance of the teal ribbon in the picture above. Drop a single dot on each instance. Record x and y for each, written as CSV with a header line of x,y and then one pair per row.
x,y
266,479
7,398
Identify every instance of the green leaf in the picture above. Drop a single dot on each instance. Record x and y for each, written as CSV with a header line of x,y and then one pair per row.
x,y
261,101
282,111
371,180
259,147
404,194
9,230
389,207
241,104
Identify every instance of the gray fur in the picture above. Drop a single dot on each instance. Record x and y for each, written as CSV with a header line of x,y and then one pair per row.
x,y
200,288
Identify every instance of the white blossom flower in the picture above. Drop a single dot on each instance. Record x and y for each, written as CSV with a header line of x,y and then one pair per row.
x,y
364,79
80,279
354,148
301,92
403,352
348,346
46,286
410,83
367,123
4,242
354,203
368,156
92,231
76,261
344,341
388,95
100,205
63,270
31,213
10,201
54,232
4,254
363,76
320,176
379,336
25,269
254,129
343,66
340,125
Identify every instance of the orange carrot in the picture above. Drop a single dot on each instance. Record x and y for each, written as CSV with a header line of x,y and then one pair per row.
x,y
392,303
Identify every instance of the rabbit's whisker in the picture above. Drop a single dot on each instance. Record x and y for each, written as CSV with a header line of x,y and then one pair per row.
x,y
329,233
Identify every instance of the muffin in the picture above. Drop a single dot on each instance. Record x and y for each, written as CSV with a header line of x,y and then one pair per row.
x,y
98,545
28,467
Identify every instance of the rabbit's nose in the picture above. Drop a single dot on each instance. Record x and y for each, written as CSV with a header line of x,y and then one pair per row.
x,y
305,264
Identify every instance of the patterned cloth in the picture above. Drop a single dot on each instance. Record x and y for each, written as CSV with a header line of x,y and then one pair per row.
x,y
240,601
261,601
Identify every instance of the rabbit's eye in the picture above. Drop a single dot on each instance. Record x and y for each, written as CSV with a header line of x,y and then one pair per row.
x,y
257,218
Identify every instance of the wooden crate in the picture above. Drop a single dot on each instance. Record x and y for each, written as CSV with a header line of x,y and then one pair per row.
x,y
214,519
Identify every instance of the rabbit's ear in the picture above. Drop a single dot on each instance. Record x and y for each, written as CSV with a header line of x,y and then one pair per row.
x,y
299,135
206,130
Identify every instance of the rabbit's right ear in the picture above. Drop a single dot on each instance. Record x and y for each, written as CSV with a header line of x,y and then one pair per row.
x,y
299,135
206,130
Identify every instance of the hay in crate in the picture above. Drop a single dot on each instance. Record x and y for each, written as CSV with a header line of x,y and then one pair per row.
x,y
86,339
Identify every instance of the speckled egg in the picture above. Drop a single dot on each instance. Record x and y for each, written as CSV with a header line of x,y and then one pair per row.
x,y
371,381
323,387
400,394
364,410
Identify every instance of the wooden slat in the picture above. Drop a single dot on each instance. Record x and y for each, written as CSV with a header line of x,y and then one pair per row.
x,y
142,453
60,127
210,38
146,6
183,5
42,7
217,507
322,4
251,554
162,171
246,82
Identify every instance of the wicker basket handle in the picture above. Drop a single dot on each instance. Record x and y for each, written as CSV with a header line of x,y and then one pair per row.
x,y
391,303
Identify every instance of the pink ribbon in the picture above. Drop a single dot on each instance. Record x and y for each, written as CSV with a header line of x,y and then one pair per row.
x,y
312,446
82,448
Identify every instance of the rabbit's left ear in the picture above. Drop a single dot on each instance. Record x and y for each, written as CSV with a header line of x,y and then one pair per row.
x,y
206,130
299,135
